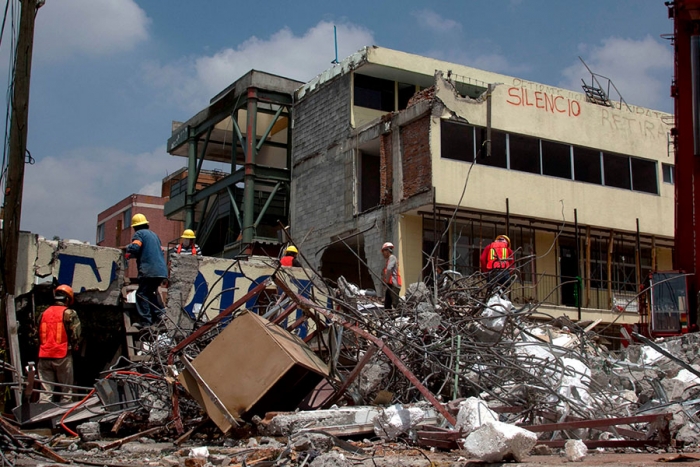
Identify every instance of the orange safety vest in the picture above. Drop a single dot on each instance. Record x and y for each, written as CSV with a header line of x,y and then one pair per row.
x,y
395,278
194,249
52,333
498,256
287,261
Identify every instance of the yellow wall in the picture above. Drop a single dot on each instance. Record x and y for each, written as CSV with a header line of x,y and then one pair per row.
x,y
642,135
664,259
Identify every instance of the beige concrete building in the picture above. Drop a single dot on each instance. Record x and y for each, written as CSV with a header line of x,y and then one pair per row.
x,y
389,146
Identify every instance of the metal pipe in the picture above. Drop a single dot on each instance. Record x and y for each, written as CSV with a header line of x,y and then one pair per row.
x,y
249,177
191,179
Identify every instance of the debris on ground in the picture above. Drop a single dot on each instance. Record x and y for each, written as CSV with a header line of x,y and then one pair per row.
x,y
456,367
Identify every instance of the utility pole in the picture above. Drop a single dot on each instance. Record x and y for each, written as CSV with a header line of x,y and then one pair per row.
x,y
14,180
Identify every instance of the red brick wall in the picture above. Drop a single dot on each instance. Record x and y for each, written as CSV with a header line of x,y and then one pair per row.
x,y
118,231
386,172
415,153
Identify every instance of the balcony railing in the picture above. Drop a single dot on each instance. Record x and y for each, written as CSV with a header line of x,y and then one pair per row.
x,y
571,291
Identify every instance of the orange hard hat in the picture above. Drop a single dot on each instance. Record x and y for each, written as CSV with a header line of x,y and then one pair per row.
x,y
64,291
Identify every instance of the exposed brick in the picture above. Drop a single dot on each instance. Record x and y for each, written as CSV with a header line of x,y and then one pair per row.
x,y
386,171
415,156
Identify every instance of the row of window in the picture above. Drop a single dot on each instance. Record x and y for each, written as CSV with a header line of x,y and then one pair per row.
x,y
126,223
533,155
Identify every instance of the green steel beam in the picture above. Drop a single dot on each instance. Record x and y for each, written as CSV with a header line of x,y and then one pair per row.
x,y
267,204
248,228
269,128
204,151
240,136
234,205
191,180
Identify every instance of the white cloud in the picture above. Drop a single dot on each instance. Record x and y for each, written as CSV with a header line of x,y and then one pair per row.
x,y
64,193
640,69
430,20
88,27
192,81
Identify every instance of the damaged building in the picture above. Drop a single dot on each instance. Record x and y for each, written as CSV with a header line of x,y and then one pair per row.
x,y
438,158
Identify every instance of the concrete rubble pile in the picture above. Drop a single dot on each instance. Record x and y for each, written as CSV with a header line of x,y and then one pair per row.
x,y
454,367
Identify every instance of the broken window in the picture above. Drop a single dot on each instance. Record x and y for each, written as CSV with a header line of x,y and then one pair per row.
x,y
556,159
498,156
374,93
369,181
587,165
406,91
100,233
524,153
127,216
456,141
669,173
644,176
616,171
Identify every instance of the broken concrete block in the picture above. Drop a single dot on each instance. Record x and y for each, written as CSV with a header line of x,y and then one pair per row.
x,y
372,376
397,420
498,442
689,434
285,424
473,413
575,450
417,292
331,459
541,450
428,320
89,431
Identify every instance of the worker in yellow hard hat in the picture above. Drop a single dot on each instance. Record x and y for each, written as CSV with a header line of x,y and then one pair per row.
x,y
145,246
290,257
187,245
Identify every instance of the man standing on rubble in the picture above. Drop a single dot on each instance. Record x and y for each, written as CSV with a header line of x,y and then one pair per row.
x,y
145,246
59,335
497,261
187,245
391,277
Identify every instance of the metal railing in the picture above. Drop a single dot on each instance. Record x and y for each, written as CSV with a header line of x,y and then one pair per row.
x,y
571,291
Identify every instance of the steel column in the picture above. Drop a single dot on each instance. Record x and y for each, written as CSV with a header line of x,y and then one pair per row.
x,y
191,179
249,178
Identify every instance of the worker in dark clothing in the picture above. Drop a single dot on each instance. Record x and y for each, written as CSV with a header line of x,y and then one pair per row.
x,y
391,277
497,261
59,335
145,246
290,257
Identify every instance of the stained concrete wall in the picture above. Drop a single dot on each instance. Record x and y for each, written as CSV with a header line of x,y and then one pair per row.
x,y
94,273
214,284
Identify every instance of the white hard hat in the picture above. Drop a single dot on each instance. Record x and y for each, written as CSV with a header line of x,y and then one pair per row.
x,y
388,246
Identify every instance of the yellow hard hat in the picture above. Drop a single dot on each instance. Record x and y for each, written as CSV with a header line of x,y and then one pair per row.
x,y
138,219
504,237
292,249
188,233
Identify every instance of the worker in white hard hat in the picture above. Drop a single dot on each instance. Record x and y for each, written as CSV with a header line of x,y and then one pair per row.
x,y
391,276
290,257
187,245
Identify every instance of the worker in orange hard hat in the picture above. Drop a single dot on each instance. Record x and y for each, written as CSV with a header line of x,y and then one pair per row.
x,y
391,277
187,244
290,257
59,335
497,260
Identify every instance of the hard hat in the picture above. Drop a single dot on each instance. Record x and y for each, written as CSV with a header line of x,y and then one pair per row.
x,y
64,291
188,233
505,238
292,249
388,246
138,219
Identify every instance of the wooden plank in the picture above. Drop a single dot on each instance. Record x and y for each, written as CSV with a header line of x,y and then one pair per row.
x,y
13,342
43,450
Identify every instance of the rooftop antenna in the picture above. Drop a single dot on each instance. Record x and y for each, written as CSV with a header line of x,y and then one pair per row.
x,y
335,39
595,92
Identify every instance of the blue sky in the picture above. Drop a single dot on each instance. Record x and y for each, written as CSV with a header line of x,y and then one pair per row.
x,y
109,76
